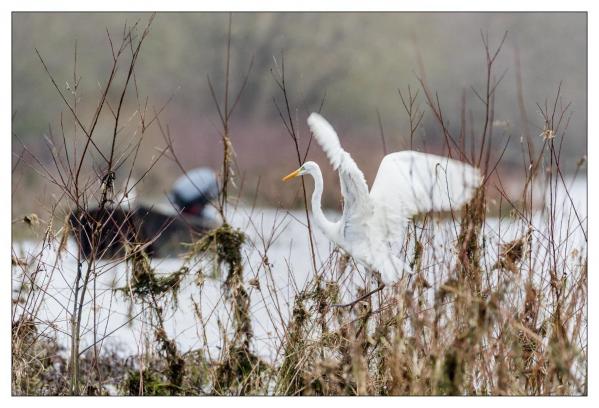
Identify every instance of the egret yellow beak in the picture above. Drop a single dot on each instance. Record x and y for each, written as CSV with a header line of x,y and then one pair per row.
x,y
291,175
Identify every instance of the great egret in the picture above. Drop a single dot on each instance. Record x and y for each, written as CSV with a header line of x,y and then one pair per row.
x,y
407,183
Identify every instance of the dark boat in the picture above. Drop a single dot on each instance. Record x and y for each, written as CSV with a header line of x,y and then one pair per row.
x,y
161,228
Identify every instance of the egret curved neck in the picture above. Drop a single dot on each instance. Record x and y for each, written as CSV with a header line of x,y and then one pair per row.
x,y
327,226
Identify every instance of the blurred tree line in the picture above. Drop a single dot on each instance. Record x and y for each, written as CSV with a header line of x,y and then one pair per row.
x,y
355,61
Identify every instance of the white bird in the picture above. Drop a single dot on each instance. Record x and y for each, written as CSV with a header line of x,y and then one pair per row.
x,y
407,183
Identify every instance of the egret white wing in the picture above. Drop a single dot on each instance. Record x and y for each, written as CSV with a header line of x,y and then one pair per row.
x,y
411,182
356,207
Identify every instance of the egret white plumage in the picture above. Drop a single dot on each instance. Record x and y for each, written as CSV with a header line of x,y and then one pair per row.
x,y
407,183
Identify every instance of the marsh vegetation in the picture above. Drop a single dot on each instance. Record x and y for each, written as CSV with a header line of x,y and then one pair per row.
x,y
496,305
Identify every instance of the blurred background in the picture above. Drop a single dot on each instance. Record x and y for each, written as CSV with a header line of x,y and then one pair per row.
x,y
354,62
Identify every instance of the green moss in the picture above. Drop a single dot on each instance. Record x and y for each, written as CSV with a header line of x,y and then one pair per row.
x,y
153,384
239,373
225,242
290,381
175,363
145,281
451,376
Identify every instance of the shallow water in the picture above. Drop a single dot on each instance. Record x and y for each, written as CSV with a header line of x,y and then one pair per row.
x,y
283,237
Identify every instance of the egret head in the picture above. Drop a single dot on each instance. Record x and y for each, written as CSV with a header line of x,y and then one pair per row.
x,y
307,168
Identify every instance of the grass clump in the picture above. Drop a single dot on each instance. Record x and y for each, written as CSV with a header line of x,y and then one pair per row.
x,y
225,242
144,280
